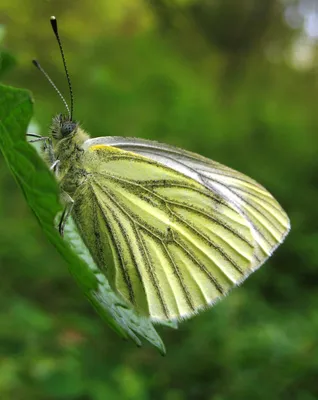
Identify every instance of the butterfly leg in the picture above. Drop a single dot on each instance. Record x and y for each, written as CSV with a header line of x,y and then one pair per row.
x,y
66,213
35,135
55,167
37,138
47,147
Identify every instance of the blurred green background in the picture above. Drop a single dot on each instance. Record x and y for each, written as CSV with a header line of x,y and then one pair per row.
x,y
234,81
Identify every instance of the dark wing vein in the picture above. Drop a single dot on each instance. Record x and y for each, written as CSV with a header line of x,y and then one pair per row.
x,y
202,267
257,196
210,243
150,269
152,274
214,219
255,208
123,268
177,272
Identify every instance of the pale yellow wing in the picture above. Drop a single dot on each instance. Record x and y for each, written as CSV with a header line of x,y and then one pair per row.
x,y
268,221
170,245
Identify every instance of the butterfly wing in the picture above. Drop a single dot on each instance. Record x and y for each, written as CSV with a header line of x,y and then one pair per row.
x,y
268,221
174,245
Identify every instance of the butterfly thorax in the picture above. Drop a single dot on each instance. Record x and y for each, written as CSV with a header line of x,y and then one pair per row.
x,y
68,139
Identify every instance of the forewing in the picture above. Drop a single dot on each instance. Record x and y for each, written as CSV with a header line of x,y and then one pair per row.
x,y
268,221
176,245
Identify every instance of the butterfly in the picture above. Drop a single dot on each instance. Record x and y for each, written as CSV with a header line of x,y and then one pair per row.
x,y
173,231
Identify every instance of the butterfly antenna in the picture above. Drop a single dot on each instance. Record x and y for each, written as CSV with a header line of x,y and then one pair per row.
x,y
56,32
38,66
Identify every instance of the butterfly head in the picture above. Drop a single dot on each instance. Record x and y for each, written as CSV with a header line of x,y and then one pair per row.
x,y
62,127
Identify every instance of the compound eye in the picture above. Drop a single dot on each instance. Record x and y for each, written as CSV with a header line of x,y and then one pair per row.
x,y
67,128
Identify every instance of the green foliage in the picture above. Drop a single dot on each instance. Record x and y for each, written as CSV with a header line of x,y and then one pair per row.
x,y
41,192
7,62
259,117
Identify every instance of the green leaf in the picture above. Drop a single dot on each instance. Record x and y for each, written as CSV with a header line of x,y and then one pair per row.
x,y
41,192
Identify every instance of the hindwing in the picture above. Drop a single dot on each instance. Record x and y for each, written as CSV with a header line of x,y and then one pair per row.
x,y
169,244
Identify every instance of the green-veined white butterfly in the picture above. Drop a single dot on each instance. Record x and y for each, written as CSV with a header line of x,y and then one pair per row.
x,y
172,230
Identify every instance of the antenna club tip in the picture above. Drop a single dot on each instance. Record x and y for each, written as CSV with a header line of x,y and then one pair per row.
x,y
53,21
35,62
